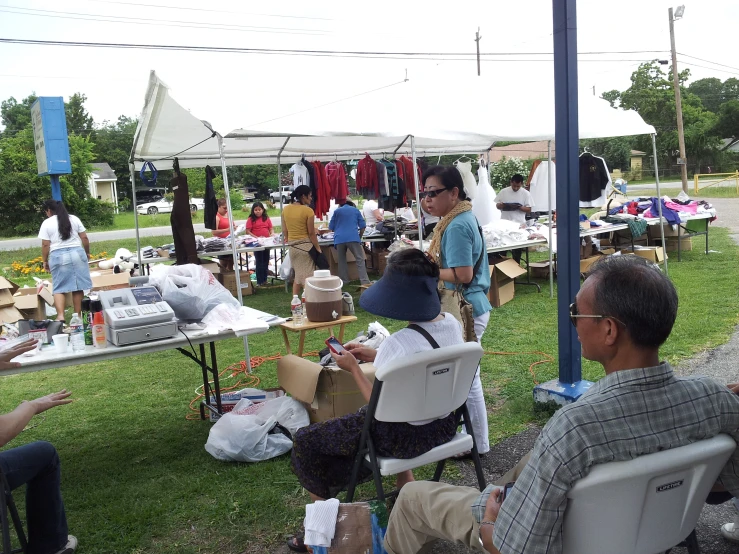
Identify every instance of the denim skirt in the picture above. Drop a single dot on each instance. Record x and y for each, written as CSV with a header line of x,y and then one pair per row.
x,y
69,270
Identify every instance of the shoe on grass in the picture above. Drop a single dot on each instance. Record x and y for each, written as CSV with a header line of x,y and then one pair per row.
x,y
70,547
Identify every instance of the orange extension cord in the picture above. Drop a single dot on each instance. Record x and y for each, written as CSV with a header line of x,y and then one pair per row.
x,y
243,379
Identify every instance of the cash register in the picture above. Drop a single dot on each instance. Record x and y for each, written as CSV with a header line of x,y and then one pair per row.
x,y
136,315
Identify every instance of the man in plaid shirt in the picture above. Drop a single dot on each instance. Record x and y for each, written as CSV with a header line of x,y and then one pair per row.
x,y
624,311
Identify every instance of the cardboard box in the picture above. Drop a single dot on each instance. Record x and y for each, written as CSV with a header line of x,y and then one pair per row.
x,y
228,280
502,287
7,290
32,302
654,254
325,392
213,267
333,262
686,244
654,232
539,270
10,314
230,399
110,281
587,262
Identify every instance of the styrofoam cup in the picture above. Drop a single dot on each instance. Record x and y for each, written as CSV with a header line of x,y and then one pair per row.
x,y
61,343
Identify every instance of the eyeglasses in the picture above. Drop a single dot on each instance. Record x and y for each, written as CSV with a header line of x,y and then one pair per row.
x,y
432,193
574,315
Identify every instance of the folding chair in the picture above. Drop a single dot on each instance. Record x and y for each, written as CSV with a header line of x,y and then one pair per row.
x,y
426,385
645,505
8,505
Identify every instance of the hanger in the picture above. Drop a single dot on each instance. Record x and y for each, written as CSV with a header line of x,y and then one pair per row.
x,y
463,157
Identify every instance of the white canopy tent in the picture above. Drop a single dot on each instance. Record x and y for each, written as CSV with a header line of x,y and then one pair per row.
x,y
408,118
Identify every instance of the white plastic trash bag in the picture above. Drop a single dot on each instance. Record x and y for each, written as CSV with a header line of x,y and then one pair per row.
x,y
191,290
285,268
249,433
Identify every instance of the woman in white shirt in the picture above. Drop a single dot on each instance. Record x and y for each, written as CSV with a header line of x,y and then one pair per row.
x,y
371,212
65,250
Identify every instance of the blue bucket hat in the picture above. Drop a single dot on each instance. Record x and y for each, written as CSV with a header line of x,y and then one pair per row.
x,y
402,297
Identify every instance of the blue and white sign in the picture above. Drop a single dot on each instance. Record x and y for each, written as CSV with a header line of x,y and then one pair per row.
x,y
50,136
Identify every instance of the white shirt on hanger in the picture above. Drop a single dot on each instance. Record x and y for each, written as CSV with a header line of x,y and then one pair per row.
x,y
300,175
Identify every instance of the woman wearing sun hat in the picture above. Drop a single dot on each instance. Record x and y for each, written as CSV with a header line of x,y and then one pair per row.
x,y
323,453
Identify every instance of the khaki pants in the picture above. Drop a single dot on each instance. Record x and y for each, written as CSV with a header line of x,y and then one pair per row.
x,y
426,511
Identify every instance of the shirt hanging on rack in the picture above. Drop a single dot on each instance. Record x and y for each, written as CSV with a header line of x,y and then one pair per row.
x,y
300,175
594,178
336,176
539,186
367,182
322,196
470,185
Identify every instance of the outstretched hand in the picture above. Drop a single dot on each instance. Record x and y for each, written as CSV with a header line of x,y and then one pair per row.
x,y
51,400
16,350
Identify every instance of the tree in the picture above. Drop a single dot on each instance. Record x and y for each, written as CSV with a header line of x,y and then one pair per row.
x,y
730,90
79,121
113,146
613,96
710,91
728,122
615,151
15,115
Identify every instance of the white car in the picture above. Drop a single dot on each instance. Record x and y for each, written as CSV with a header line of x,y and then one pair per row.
x,y
163,206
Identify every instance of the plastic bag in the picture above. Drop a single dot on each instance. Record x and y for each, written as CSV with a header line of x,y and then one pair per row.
x,y
286,268
190,290
249,434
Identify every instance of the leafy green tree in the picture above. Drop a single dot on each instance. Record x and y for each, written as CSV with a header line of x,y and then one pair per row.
x,y
16,116
728,122
730,89
615,151
79,121
710,91
113,146
613,96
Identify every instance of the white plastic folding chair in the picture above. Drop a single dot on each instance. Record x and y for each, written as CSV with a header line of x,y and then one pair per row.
x,y
645,505
426,385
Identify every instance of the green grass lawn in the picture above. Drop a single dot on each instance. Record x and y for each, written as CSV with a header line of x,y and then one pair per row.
x,y
136,478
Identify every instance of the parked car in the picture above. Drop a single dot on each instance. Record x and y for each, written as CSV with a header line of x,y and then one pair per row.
x,y
284,192
146,195
249,194
164,206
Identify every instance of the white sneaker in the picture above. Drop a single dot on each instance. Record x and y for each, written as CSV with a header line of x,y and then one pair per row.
x,y
70,547
730,531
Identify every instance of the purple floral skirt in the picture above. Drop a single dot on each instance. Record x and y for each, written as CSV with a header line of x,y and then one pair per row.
x,y
323,453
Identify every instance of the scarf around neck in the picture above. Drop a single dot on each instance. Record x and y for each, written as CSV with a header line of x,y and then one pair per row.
x,y
435,247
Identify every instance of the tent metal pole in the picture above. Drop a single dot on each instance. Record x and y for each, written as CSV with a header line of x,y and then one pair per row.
x,y
279,178
401,144
232,234
132,169
418,193
551,223
659,205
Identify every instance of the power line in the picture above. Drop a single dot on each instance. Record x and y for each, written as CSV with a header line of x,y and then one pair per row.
x,y
711,68
709,61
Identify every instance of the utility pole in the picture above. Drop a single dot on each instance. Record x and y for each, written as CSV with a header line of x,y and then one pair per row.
x,y
477,40
682,161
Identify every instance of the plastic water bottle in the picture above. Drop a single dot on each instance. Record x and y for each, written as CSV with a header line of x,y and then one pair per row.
x,y
77,336
296,306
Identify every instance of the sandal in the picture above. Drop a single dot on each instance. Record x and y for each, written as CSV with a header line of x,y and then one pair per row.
x,y
296,544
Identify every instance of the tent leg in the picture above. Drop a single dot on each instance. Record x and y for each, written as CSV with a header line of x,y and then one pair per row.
x,y
551,223
659,205
418,193
132,169
237,272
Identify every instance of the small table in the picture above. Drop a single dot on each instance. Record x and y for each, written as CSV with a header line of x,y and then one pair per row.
x,y
311,325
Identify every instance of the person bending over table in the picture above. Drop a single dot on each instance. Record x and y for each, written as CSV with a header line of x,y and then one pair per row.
x,y
299,232
459,248
37,466
347,224
515,202
323,453
623,313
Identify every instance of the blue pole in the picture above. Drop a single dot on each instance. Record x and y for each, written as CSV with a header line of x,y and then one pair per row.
x,y
569,386
56,188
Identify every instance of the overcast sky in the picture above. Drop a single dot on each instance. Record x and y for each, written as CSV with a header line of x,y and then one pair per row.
x,y
114,80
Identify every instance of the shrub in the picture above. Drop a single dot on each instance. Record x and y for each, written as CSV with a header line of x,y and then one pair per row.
x,y
95,213
503,170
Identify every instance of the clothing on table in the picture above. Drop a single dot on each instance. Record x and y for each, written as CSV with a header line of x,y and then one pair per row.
x,y
261,260
296,217
183,235
323,453
210,209
70,271
470,185
50,231
428,219
484,206
368,211
37,466
346,223
539,186
510,196
358,252
300,175
262,227
367,182
626,414
670,215
594,178
336,177
462,245
300,259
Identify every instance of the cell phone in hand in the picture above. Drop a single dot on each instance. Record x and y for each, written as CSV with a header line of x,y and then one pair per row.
x,y
506,491
335,346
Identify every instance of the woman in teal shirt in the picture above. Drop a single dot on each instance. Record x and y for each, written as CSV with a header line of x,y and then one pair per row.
x,y
459,248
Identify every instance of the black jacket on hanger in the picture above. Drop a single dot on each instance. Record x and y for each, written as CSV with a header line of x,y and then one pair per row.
x,y
183,235
593,177
211,202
